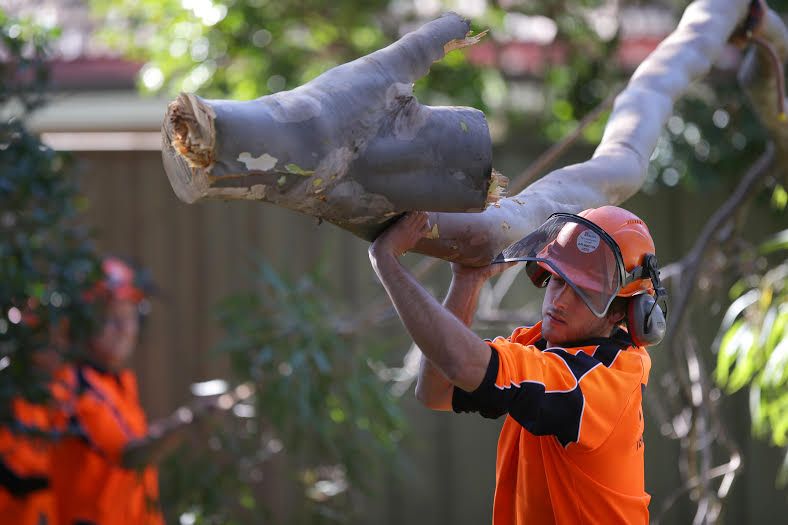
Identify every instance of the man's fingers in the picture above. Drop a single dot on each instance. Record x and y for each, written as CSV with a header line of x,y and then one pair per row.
x,y
418,220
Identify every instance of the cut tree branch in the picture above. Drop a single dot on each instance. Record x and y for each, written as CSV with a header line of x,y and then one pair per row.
x,y
353,146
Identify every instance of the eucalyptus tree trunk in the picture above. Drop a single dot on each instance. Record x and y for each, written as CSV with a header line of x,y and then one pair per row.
x,y
353,146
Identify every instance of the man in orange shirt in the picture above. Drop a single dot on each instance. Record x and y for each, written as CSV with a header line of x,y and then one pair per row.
x,y
571,449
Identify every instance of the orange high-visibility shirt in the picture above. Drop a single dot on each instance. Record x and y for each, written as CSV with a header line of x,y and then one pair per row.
x,y
89,483
25,493
571,449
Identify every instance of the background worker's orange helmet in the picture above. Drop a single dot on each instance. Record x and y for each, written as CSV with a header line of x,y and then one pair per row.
x,y
120,281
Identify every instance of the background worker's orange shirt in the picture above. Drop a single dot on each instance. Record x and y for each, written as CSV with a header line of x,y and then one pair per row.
x,y
25,492
89,483
571,448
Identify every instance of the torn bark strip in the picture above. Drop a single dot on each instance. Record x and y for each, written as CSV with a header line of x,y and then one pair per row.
x,y
353,146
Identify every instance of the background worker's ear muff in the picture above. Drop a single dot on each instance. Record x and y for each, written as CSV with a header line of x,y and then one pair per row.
x,y
645,320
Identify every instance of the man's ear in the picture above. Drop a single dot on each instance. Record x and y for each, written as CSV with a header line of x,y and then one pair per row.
x,y
615,318
617,312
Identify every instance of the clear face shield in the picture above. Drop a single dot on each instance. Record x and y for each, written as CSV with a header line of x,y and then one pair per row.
x,y
579,252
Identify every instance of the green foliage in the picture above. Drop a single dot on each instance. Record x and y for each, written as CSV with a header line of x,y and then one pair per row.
x,y
317,401
753,343
46,256
23,70
244,49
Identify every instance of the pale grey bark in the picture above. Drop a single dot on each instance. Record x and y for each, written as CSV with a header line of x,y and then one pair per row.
x,y
353,146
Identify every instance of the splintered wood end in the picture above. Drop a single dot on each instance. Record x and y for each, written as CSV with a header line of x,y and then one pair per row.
x,y
459,43
191,130
497,189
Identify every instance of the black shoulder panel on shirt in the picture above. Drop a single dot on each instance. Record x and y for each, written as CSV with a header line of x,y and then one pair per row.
x,y
607,353
83,385
579,363
550,413
608,350
20,486
543,413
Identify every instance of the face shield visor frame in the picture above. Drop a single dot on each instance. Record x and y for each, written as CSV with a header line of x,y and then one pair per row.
x,y
578,251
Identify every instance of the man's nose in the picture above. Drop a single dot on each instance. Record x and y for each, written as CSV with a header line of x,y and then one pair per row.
x,y
564,297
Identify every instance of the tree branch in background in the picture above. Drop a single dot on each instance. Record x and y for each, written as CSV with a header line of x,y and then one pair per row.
x,y
691,263
166,434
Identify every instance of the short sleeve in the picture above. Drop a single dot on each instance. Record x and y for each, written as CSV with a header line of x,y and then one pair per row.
x,y
463,401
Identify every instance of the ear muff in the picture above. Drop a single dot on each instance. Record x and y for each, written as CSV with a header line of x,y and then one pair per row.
x,y
645,320
538,275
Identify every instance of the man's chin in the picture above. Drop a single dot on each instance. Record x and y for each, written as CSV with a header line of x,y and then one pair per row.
x,y
551,334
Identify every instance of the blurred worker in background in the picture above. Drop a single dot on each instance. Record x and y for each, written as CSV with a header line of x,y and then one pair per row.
x,y
103,472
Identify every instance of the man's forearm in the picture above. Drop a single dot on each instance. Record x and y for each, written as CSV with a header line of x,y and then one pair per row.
x,y
463,298
450,345
432,387
164,436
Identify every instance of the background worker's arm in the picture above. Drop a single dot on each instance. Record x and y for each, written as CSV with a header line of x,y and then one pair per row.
x,y
432,388
459,354
164,435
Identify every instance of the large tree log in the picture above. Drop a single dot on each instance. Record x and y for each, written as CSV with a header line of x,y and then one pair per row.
x,y
619,165
353,146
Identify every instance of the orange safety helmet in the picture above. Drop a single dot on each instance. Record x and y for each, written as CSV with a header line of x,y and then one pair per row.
x,y
633,239
602,253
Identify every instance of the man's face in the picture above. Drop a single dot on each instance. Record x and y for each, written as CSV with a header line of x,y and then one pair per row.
x,y
118,336
566,318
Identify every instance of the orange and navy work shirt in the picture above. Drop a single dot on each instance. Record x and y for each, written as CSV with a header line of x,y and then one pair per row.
x,y
25,493
89,483
571,448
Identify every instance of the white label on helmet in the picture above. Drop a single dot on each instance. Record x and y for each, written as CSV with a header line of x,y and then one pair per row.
x,y
587,241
